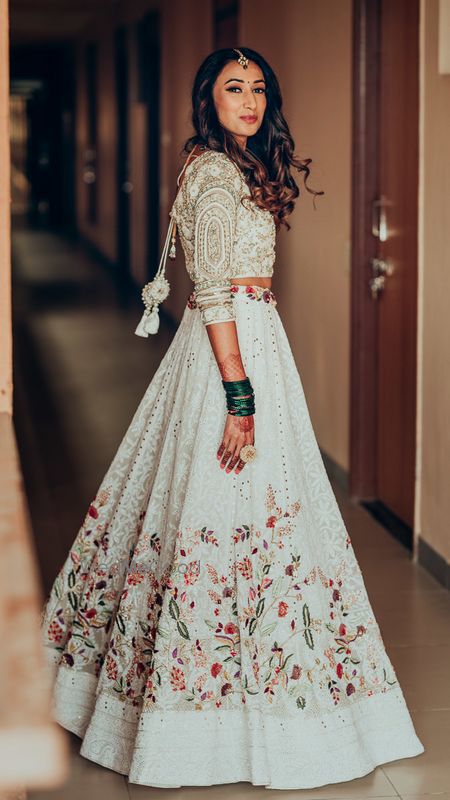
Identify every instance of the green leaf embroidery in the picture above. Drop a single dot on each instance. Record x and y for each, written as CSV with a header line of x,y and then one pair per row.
x,y
120,623
306,616
173,609
73,600
182,629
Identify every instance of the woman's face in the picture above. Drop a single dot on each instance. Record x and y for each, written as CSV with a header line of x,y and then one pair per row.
x,y
240,99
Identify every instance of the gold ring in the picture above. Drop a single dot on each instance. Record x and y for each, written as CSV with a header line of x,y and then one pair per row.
x,y
247,453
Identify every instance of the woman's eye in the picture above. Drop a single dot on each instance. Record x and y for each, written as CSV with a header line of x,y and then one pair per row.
x,y
257,89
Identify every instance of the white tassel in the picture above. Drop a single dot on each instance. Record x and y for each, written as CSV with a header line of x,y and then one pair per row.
x,y
149,323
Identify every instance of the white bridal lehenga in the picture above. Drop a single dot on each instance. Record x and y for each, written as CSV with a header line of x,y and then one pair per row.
x,y
209,627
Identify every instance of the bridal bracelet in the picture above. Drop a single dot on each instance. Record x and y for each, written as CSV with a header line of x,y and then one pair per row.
x,y
240,397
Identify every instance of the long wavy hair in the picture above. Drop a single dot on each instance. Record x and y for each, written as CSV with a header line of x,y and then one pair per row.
x,y
269,155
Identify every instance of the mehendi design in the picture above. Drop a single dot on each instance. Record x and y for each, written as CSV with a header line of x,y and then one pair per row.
x,y
231,368
245,423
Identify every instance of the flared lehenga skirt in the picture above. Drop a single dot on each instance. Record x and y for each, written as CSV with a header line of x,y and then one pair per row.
x,y
209,627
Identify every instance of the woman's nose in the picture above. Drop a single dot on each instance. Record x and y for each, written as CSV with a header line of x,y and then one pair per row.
x,y
250,101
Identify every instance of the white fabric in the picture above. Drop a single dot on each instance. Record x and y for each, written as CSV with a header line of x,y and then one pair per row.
x,y
165,624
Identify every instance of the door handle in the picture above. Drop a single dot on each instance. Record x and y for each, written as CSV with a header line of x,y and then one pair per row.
x,y
381,269
379,220
381,265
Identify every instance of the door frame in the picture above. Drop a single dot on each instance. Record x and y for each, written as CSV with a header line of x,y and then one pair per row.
x,y
364,316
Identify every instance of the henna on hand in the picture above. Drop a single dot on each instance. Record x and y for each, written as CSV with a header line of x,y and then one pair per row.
x,y
232,368
245,423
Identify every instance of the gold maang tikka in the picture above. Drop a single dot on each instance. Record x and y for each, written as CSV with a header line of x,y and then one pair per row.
x,y
242,60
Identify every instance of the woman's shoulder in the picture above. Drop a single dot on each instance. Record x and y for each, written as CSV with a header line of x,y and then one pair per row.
x,y
212,169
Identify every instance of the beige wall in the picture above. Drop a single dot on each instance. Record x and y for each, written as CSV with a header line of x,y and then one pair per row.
x,y
308,43
434,378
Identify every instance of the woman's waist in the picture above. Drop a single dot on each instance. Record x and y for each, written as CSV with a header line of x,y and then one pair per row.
x,y
243,292
252,280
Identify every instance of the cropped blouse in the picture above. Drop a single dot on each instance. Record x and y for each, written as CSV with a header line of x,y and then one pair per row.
x,y
222,235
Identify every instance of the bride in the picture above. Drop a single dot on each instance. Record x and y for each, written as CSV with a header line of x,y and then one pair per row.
x,y
210,623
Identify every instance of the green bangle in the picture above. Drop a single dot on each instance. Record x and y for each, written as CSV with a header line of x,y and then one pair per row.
x,y
239,397
231,386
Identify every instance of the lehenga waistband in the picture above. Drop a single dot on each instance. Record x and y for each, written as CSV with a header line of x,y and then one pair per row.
x,y
250,292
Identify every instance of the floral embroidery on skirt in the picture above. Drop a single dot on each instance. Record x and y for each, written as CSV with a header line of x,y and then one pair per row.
x,y
199,612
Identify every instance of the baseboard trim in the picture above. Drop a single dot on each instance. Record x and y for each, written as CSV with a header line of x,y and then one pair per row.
x,y
429,558
335,472
399,530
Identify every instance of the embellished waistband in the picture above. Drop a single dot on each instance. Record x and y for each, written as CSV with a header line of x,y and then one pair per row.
x,y
251,292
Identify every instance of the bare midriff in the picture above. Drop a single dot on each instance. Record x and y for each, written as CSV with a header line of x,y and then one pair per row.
x,y
266,283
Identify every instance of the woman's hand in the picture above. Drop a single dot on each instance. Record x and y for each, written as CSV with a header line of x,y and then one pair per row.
x,y
238,432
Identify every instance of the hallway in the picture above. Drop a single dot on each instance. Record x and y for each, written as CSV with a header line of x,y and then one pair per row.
x,y
79,374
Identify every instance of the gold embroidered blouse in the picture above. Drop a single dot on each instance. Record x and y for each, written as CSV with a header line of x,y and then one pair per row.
x,y
222,237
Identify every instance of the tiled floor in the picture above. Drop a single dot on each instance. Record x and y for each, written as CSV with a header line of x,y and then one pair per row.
x,y
80,372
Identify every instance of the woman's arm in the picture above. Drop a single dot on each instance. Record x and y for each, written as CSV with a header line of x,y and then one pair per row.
x,y
238,431
214,189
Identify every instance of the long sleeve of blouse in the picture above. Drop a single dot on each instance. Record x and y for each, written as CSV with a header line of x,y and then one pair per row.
x,y
213,186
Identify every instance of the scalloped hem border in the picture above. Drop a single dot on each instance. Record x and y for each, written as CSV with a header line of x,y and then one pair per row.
x,y
197,748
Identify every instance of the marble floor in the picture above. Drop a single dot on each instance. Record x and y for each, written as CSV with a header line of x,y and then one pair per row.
x,y
79,374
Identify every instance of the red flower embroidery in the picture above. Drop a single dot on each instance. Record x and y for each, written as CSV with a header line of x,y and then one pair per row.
x,y
54,632
230,628
342,630
134,578
271,522
177,679
339,670
245,568
282,609
350,689
93,511
215,669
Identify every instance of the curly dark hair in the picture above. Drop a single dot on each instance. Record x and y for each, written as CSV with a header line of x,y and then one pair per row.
x,y
269,155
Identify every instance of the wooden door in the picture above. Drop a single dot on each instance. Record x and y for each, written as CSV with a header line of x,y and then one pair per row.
x,y
397,250
384,281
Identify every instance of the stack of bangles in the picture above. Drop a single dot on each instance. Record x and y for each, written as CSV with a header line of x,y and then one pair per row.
x,y
241,403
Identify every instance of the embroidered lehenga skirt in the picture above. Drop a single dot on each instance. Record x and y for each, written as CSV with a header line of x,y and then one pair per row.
x,y
209,627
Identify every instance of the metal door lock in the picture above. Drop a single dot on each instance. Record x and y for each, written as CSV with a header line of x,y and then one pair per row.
x,y
381,269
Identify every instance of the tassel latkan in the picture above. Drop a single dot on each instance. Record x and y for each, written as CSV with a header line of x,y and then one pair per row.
x,y
149,323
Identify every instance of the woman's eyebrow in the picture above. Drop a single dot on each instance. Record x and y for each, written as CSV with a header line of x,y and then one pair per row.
x,y
259,80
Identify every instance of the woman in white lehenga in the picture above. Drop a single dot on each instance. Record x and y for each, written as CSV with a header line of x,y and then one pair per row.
x,y
210,623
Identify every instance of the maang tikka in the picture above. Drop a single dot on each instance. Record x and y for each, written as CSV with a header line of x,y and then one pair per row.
x,y
242,60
